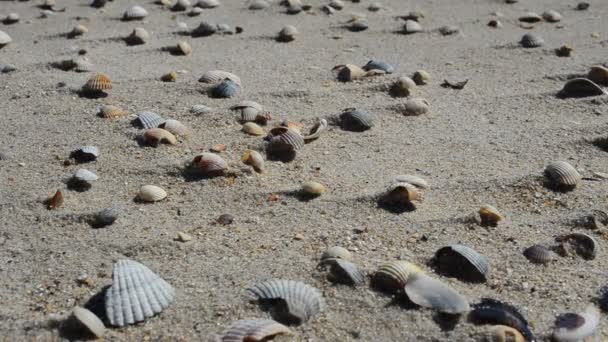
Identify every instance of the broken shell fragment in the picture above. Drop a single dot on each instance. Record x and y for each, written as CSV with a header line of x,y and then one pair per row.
x,y
157,136
337,252
287,34
135,13
151,193
253,159
225,89
581,244
56,201
392,277
183,48
539,254
490,216
252,128
349,72
316,131
415,106
356,120
88,322
312,189
378,65
401,196
210,164
462,262
404,86
169,77
85,154
421,77
175,127
149,120
491,311
574,327
97,84
344,272
598,74
138,36
253,330
432,293
531,40
581,87
411,26
503,333
562,176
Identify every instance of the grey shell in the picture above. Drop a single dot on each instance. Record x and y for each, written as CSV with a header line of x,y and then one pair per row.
x,y
253,330
539,254
149,120
225,89
346,272
106,217
432,293
284,139
360,24
581,87
356,120
200,109
561,173
217,76
582,244
84,175
180,5
531,40
136,293
258,5
462,262
207,3
204,29
135,13
379,65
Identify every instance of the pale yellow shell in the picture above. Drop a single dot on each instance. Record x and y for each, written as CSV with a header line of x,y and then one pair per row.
x,y
503,333
313,188
421,77
392,276
489,215
253,159
151,193
599,75
155,136
253,129
349,72
404,86
184,48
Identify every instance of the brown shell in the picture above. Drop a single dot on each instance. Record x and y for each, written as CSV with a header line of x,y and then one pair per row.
x,y
490,216
253,330
599,75
156,136
539,254
97,83
56,201
210,164
111,112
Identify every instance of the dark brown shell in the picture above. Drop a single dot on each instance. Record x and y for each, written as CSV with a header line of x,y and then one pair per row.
x,y
462,262
539,254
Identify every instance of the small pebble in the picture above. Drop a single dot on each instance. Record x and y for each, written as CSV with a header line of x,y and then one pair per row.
x,y
225,219
182,237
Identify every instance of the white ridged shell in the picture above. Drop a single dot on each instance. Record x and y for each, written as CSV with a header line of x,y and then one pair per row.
x,y
432,293
85,175
531,40
462,262
135,13
149,120
561,173
346,272
217,76
283,139
337,252
151,193
201,109
253,330
393,276
412,179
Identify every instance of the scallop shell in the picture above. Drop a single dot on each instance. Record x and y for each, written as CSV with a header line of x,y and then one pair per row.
x,y
494,312
337,252
416,106
184,48
552,16
401,195
106,217
207,3
539,254
404,86
462,262
287,33
149,120
204,29
421,77
392,277
581,87
490,216
89,321
412,179
562,175
349,72
136,293
379,65
84,175
598,74
258,5
201,109
175,127
151,193
530,17
227,88
574,327
356,120
345,272
97,83
531,40
316,131
312,189
298,301
503,333
253,129
284,140
432,293
253,330
135,13
138,36
85,154
180,5
4,38
253,159
156,136
582,244
411,26
210,164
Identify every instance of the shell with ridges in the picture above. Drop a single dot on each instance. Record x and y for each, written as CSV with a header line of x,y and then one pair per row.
x,y
151,193
337,252
581,87
217,76
175,127
210,164
462,262
225,89
562,175
432,293
82,64
503,333
97,83
539,254
201,109
574,327
582,244
135,13
392,277
149,120
345,272
490,216
531,40
283,139
253,330
253,159
249,110
89,321
356,120
156,136
416,181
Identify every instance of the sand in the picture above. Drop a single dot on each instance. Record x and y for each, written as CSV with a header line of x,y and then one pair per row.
x,y
485,144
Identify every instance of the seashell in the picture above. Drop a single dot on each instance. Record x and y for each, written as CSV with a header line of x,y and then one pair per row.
x,y
432,293
337,252
210,164
6,68
344,272
78,30
98,3
312,189
183,48
401,195
597,219
258,5
224,29
582,244
358,25
392,277
574,327
530,17
298,302
421,77
217,148
455,84
404,86
253,330
552,16
356,120
539,254
200,109
56,201
175,127
204,29
138,36
415,106
217,76
336,4
503,333
111,112
96,84
47,14
293,6
253,129
156,136
598,74
151,193
105,217
180,5
11,18
84,318
375,7
287,34
491,311
149,120
249,110
284,140
562,175
316,131
227,88
378,65
581,87
84,175
253,159
449,30
411,26
462,262
135,13
182,237
583,5
412,15
85,154
136,293
208,3
82,64
195,11
531,40
490,216
495,23
416,181
169,77
349,72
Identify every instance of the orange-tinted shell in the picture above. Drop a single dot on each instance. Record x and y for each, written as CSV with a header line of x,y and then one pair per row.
x,y
155,136
97,83
111,112
210,164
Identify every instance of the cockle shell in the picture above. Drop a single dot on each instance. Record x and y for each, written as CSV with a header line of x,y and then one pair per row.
x,y
412,179
287,34
4,38
337,252
253,129
201,109
253,159
349,72
78,30
575,327
392,277
581,87
149,120
111,112
378,65
562,175
284,140
411,26
207,3
503,333
84,175
258,5
105,217
312,188
151,193
421,77
415,106
85,154
356,120
138,36
552,16
404,86
598,74
136,293
135,13
462,262
298,302
490,216
315,132
157,136
344,272
531,40
530,17
225,89
539,254
175,127
97,83
401,195
491,311
253,330
180,5
87,320
249,110
210,164
432,293
582,244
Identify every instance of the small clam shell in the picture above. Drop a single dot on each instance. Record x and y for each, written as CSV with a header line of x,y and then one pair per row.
x,y
249,110
252,330
404,86
78,30
253,159
247,104
111,112
149,120
151,193
256,5
598,74
531,40
284,140
392,277
210,164
530,17
287,34
539,254
491,311
411,26
293,6
225,89
200,109
4,38
495,23
401,195
379,65
184,48
312,188
253,129
84,175
85,154
413,15
416,106
562,175
87,320
462,262
432,293
208,3
135,13
97,83
105,217
156,136
345,272
503,333
490,216
175,127
138,36
421,77
196,11
337,252
349,72
204,29
356,120
180,5
582,244
581,87
316,131
412,179
574,327
552,16
298,301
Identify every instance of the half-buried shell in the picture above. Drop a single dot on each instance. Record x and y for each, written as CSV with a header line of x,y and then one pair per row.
x,y
97,84
135,13
581,87
415,106
490,216
379,65
401,195
253,330
287,34
210,164
217,76
392,276
225,89
157,136
539,254
344,272
151,193
574,327
462,262
598,74
491,311
253,159
85,154
337,252
249,110
404,86
175,127
283,140
531,40
580,244
349,72
562,176
432,293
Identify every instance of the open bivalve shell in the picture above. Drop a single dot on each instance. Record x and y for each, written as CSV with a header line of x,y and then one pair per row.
x,y
136,293
210,164
151,193
580,244
490,216
157,136
253,330
462,262
574,327
503,333
562,176
344,272
253,159
581,87
297,303
337,252
392,276
432,293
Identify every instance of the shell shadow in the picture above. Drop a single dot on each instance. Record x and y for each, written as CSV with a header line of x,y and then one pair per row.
x,y
91,95
394,207
191,173
446,322
602,299
279,311
456,268
97,304
77,185
601,143
402,301
297,194
556,187
284,157
173,50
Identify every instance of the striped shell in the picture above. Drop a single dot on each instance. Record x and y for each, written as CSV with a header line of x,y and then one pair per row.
x,y
97,83
175,127
379,65
574,327
503,333
315,132
432,293
287,33
210,164
207,3
136,293
253,330
356,120
312,189
403,86
82,64
401,195
217,76
283,139
539,254
531,40
337,252
562,175
225,89
411,26
258,5
105,217
552,16
253,129
462,262
135,13
582,244
253,159
416,181
204,29
4,38
201,109
111,112
157,136
298,302
345,272
349,72
85,154
149,120
490,216
151,193
415,106
89,321
392,277
84,175
249,110
581,87
421,77
180,5
598,74
138,36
